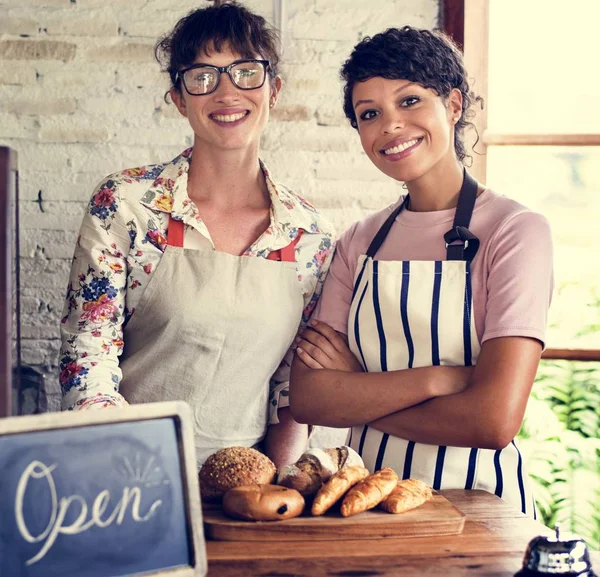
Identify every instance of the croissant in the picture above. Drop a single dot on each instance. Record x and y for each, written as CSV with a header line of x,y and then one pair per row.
x,y
336,486
408,494
369,492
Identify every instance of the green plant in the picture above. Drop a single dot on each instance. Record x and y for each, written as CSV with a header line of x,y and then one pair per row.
x,y
560,440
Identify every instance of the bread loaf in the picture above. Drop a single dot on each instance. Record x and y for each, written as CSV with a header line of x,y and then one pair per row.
x,y
263,503
316,466
369,492
232,467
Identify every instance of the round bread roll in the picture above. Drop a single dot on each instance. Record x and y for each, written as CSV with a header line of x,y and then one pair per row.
x,y
232,467
263,503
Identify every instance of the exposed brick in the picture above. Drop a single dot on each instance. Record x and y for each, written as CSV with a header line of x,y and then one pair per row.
x,y
123,52
55,133
41,107
37,50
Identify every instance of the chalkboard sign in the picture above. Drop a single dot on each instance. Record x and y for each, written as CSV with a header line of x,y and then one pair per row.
x,y
105,493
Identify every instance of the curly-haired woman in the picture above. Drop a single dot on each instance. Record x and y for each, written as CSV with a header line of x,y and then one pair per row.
x,y
191,278
428,335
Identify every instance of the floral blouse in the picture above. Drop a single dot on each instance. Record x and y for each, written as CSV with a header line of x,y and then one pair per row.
x,y
121,242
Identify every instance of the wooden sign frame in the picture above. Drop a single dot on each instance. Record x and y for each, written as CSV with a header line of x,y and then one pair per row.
x,y
179,411
9,214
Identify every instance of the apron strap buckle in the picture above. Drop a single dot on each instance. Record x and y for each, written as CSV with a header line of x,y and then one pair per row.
x,y
468,247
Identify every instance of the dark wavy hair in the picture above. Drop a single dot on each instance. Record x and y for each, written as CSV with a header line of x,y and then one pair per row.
x,y
429,58
208,29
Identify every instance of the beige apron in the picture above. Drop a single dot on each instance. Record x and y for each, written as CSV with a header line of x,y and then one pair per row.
x,y
211,329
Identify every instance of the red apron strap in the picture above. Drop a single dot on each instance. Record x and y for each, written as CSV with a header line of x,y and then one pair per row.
x,y
175,232
287,253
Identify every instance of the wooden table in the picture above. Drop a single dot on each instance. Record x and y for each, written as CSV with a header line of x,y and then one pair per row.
x,y
492,544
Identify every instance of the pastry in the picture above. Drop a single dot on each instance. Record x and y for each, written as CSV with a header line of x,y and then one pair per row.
x,y
263,503
336,486
408,494
315,466
232,467
369,492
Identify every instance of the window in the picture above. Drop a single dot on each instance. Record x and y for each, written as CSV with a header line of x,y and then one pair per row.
x,y
532,62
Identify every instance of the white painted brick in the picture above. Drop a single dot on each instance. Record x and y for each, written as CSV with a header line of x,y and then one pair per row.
x,y
45,274
18,26
133,77
59,185
12,72
172,132
141,107
36,331
90,23
119,51
75,81
40,352
83,157
85,99
34,4
56,215
14,126
296,136
48,243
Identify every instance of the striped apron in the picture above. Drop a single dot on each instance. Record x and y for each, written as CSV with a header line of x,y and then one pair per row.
x,y
410,314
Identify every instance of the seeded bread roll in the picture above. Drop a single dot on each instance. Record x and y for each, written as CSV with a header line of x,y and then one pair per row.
x,y
263,503
233,467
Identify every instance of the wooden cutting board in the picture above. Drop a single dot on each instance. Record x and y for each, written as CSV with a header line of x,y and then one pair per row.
x,y
436,517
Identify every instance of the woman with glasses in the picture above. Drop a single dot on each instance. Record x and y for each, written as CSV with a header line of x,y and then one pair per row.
x,y
192,277
428,335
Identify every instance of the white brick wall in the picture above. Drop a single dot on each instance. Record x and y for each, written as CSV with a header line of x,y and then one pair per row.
x,y
81,96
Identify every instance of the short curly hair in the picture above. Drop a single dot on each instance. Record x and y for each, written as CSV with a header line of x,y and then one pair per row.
x,y
427,57
209,28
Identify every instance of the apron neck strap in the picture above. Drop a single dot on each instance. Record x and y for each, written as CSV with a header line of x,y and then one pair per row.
x,y
383,231
175,232
461,243
469,243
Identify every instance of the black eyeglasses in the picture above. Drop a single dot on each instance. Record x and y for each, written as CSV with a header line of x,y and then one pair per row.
x,y
201,79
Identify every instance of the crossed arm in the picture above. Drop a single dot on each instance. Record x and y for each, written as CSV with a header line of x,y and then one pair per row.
x,y
481,406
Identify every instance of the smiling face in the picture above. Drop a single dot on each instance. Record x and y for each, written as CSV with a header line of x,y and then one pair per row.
x,y
228,118
405,129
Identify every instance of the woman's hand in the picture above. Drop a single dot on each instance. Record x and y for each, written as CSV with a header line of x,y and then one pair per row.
x,y
321,347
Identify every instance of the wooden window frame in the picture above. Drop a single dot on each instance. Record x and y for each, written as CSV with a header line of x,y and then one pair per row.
x,y
467,22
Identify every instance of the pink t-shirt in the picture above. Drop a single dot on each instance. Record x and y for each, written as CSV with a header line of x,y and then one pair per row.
x,y
512,273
